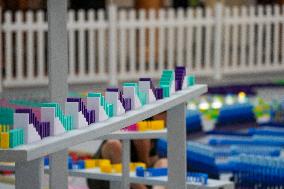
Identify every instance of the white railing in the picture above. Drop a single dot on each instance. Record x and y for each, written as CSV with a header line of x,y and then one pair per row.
x,y
117,45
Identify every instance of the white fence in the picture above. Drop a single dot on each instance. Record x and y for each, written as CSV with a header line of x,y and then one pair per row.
x,y
117,45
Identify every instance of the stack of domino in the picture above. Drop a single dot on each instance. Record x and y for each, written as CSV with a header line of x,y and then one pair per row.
x,y
267,172
6,115
97,108
167,83
49,112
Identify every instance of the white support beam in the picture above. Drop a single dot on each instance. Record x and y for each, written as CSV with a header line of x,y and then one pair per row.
x,y
58,75
57,50
125,164
29,174
176,117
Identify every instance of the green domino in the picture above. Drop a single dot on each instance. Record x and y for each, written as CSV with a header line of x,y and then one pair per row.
x,y
103,101
22,139
18,137
169,77
164,83
110,106
166,90
71,123
109,110
142,97
191,80
6,116
94,94
66,124
130,84
168,72
21,133
12,139
135,85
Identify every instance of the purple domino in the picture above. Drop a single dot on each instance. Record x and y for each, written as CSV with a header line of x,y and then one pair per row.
x,y
145,79
178,84
79,100
48,128
121,97
112,90
89,115
159,93
92,117
26,111
74,99
180,73
127,104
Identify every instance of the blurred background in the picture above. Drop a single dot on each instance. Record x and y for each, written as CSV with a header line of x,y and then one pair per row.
x,y
234,46
221,42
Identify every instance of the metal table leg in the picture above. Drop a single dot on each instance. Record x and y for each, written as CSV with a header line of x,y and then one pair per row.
x,y
29,174
58,170
125,164
176,147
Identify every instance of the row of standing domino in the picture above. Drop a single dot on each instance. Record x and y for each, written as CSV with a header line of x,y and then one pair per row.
x,y
31,122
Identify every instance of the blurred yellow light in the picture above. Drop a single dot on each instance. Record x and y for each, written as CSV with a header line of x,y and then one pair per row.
x,y
242,97
216,104
204,105
229,100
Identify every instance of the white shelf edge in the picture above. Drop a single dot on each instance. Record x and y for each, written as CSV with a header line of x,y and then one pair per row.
x,y
134,135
